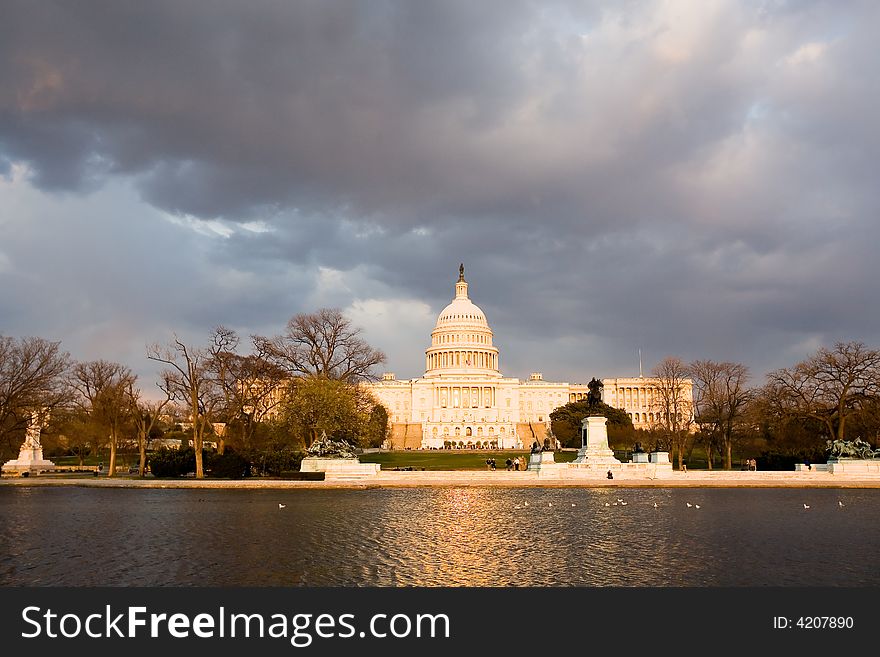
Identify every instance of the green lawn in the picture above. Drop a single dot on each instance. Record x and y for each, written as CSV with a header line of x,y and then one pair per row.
x,y
451,459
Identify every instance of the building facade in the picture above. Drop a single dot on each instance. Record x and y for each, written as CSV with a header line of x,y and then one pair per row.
x,y
463,400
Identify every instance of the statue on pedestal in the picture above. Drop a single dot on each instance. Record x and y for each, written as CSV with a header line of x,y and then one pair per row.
x,y
335,458
30,456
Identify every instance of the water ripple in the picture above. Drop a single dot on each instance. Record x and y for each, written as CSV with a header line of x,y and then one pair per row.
x,y
439,537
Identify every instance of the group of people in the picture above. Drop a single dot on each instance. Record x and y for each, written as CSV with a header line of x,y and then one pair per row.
x,y
512,464
750,464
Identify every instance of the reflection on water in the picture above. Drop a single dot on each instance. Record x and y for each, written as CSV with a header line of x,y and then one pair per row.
x,y
439,537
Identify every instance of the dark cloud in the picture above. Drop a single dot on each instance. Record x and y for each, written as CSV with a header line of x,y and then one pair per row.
x,y
686,179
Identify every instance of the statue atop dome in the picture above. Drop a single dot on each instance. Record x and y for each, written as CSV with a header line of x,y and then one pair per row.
x,y
461,273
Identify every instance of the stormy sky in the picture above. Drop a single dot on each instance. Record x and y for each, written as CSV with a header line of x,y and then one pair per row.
x,y
686,178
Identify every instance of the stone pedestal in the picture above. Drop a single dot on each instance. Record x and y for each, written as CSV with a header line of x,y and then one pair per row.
x,y
658,457
640,457
339,467
595,450
30,459
815,467
854,466
541,461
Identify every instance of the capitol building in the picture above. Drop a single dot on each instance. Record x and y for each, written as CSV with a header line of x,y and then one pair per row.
x,y
463,401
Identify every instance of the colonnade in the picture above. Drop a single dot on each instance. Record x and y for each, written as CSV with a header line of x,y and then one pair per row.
x,y
464,396
462,358
631,397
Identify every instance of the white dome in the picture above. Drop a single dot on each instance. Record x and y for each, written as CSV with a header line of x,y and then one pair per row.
x,y
461,342
462,311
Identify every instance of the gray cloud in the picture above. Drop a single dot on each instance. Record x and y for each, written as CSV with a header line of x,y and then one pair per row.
x,y
688,179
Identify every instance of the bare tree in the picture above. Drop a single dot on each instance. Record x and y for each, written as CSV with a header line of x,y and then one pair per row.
x,y
189,379
102,386
32,377
721,395
146,416
323,344
829,386
673,403
221,365
253,391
